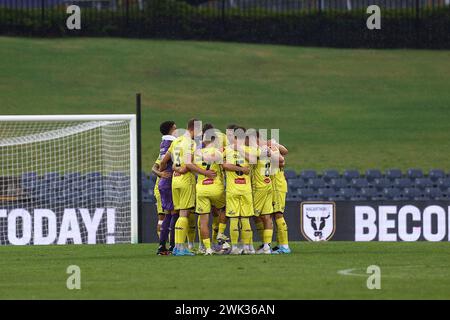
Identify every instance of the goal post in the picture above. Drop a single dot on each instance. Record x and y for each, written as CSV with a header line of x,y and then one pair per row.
x,y
68,179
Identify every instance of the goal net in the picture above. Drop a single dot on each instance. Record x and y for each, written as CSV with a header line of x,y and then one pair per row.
x,y
68,179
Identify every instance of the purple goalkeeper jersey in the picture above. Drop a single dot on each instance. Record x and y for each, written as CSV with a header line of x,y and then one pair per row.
x,y
163,148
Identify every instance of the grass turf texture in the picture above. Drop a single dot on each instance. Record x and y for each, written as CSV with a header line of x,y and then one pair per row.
x,y
336,108
409,271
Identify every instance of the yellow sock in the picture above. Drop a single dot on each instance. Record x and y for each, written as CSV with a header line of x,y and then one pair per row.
x,y
191,231
222,227
246,231
282,231
207,243
215,228
181,230
234,231
267,237
260,229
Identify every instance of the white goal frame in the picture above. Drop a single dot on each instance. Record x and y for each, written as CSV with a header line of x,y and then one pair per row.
x,y
131,118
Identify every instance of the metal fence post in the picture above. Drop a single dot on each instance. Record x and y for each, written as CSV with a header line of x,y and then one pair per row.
x,y
222,15
417,22
127,12
42,17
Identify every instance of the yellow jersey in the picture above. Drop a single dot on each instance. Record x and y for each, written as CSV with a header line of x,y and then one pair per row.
x,y
237,182
156,190
261,172
208,158
182,150
279,180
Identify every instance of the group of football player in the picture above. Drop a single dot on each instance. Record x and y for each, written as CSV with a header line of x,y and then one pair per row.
x,y
234,177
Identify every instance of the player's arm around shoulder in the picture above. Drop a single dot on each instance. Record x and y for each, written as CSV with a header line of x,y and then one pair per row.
x,y
163,164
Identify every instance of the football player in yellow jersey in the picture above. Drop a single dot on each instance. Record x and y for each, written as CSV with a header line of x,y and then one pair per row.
x,y
279,200
263,196
219,222
159,210
239,201
183,184
210,190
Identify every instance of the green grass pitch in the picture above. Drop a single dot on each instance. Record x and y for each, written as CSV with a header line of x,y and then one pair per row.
x,y
408,271
335,108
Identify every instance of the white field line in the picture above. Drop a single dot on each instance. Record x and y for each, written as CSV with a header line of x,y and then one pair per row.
x,y
349,272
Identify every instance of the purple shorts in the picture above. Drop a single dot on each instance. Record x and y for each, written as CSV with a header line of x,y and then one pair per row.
x,y
166,199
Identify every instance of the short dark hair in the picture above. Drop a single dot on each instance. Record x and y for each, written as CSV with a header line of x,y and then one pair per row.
x,y
166,126
190,124
232,126
207,126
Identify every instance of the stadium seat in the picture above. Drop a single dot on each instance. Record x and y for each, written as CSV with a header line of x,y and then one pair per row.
x,y
305,193
351,174
373,174
411,193
348,193
325,193
291,196
443,183
330,174
423,183
379,197
382,183
414,173
369,192
391,192
436,174
51,176
147,184
52,181
399,197
403,183
422,197
290,174
93,176
358,197
314,197
308,174
339,183
444,197
29,181
75,176
393,174
316,183
360,183
336,197
433,193
296,183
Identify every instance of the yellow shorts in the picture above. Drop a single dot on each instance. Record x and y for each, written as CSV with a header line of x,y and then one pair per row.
x,y
184,197
263,202
159,209
279,201
204,201
239,205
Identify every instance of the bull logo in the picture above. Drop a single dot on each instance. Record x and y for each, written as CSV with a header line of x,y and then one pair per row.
x,y
317,220
318,223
